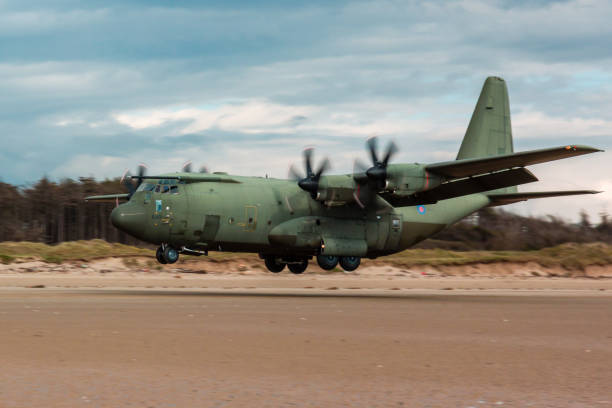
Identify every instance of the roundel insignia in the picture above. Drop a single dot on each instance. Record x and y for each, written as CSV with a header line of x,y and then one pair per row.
x,y
421,209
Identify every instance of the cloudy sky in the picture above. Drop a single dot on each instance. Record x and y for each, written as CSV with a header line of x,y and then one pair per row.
x,y
91,88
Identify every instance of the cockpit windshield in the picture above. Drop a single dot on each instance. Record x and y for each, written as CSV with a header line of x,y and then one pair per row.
x,y
146,187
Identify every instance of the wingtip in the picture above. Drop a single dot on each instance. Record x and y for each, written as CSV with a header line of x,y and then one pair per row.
x,y
583,148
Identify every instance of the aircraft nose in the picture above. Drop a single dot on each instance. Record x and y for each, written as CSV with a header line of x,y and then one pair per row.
x,y
127,218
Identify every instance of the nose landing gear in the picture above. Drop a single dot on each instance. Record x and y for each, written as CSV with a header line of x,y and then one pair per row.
x,y
166,254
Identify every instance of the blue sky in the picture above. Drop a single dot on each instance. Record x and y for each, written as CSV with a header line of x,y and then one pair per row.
x,y
91,88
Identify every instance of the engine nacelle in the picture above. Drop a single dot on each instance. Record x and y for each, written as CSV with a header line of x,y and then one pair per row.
x,y
407,179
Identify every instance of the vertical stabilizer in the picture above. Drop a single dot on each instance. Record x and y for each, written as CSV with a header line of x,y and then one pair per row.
x,y
489,132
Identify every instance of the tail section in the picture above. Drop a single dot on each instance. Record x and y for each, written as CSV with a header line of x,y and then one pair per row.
x,y
489,132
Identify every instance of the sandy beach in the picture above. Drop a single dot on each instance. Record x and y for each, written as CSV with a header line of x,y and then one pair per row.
x,y
381,338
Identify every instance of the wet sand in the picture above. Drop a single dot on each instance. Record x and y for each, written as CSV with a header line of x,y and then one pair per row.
x,y
201,348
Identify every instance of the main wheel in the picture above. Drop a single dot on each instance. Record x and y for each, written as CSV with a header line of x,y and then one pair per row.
x,y
350,263
327,262
273,265
298,268
160,256
171,255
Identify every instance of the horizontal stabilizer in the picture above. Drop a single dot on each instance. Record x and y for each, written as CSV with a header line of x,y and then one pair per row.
x,y
107,198
472,185
503,199
471,167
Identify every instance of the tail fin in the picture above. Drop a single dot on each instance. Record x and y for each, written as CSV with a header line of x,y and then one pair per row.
x,y
489,132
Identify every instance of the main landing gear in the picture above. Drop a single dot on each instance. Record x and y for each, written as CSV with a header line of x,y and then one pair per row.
x,y
276,264
298,265
329,262
166,254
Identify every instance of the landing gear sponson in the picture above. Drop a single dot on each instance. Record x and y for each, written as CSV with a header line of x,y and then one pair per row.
x,y
298,265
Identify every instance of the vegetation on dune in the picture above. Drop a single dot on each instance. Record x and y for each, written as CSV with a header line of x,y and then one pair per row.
x,y
67,251
568,256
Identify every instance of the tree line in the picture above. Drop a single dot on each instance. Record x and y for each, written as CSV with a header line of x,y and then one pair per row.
x,y
53,212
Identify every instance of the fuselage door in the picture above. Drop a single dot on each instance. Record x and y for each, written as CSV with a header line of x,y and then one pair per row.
x,y
177,200
395,231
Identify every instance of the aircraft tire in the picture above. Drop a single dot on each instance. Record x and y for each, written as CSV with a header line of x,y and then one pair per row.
x,y
298,268
327,262
272,265
350,263
160,256
171,255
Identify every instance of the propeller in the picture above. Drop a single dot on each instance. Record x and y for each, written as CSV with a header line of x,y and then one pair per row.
x,y
126,179
378,172
187,168
310,182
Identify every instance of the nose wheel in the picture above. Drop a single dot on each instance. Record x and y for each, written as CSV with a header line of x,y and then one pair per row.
x,y
166,254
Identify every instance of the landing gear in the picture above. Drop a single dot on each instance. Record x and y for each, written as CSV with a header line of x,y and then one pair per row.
x,y
166,255
171,255
274,264
350,263
327,262
298,267
160,256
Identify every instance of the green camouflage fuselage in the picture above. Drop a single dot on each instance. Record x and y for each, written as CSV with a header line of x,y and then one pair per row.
x,y
272,216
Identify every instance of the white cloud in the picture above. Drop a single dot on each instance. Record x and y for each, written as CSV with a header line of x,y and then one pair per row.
x,y
13,23
533,124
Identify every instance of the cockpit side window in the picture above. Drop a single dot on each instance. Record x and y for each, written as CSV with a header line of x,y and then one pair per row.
x,y
165,188
157,188
174,190
146,187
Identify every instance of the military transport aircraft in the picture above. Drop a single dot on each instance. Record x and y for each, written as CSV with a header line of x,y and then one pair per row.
x,y
376,211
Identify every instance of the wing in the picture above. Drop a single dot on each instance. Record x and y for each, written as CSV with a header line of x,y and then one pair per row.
x,y
471,167
510,198
107,198
465,186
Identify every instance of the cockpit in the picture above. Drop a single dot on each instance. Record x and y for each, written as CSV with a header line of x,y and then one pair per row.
x,y
162,186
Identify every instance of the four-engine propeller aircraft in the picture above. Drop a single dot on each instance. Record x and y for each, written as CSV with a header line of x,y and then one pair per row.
x,y
377,210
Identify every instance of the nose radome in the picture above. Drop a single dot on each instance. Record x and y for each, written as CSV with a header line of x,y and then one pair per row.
x,y
116,217
128,218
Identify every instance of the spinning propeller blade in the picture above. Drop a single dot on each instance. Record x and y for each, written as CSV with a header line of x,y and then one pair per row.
x,y
310,182
377,174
